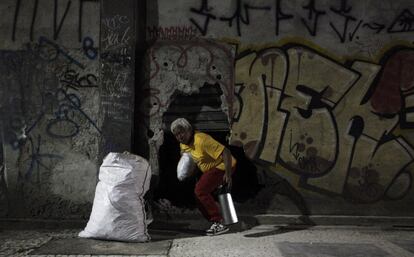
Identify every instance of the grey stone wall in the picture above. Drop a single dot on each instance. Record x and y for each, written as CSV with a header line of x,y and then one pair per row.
x,y
322,99
319,94
53,95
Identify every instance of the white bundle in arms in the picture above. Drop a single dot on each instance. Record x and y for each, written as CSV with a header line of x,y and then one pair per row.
x,y
186,167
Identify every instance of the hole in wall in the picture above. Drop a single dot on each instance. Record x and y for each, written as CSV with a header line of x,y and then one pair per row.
x,y
203,110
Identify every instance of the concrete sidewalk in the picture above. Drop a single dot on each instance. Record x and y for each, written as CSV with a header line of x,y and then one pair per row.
x,y
181,238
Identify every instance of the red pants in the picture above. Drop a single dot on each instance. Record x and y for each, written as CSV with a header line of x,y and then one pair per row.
x,y
209,181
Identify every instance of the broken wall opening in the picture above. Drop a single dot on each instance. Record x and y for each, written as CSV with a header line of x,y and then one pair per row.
x,y
204,111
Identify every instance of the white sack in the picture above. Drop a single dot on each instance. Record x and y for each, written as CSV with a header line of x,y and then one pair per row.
x,y
118,208
185,167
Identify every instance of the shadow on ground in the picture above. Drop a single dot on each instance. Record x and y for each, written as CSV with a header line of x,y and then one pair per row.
x,y
164,230
279,230
173,228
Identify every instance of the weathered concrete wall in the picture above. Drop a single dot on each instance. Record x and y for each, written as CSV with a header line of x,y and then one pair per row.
x,y
56,86
182,68
322,95
49,98
319,94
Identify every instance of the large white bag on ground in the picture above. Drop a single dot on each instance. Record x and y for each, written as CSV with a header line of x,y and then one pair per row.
x,y
118,211
185,167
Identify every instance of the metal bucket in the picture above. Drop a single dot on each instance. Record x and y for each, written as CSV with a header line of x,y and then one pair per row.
x,y
227,207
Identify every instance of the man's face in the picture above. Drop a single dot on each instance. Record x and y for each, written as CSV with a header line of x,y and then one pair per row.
x,y
183,136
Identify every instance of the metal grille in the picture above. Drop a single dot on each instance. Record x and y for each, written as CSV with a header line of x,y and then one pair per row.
x,y
203,110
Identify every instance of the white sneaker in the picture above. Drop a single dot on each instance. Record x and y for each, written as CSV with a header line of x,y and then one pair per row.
x,y
216,229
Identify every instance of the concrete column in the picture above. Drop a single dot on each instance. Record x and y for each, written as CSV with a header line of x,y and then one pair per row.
x,y
117,44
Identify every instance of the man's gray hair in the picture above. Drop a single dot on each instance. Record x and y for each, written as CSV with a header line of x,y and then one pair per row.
x,y
180,124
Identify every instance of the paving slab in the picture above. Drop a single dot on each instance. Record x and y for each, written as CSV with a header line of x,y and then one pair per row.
x,y
185,238
82,246
407,245
289,249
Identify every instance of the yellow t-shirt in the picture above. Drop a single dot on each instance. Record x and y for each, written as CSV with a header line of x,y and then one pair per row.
x,y
206,152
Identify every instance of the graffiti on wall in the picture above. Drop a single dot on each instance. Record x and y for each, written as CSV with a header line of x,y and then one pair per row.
x,y
239,17
182,67
172,33
46,103
56,94
329,123
60,16
337,125
116,58
340,18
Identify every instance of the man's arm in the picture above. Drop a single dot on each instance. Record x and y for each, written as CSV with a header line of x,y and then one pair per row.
x,y
226,155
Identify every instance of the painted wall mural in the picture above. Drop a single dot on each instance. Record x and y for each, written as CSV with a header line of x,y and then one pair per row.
x,y
323,92
331,124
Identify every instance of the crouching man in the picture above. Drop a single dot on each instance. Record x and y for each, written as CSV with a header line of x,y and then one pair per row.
x,y
216,164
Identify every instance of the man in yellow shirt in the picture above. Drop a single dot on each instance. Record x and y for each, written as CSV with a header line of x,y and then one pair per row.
x,y
215,162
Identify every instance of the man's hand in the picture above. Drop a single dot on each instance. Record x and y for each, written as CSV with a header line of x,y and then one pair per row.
x,y
227,179
227,167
